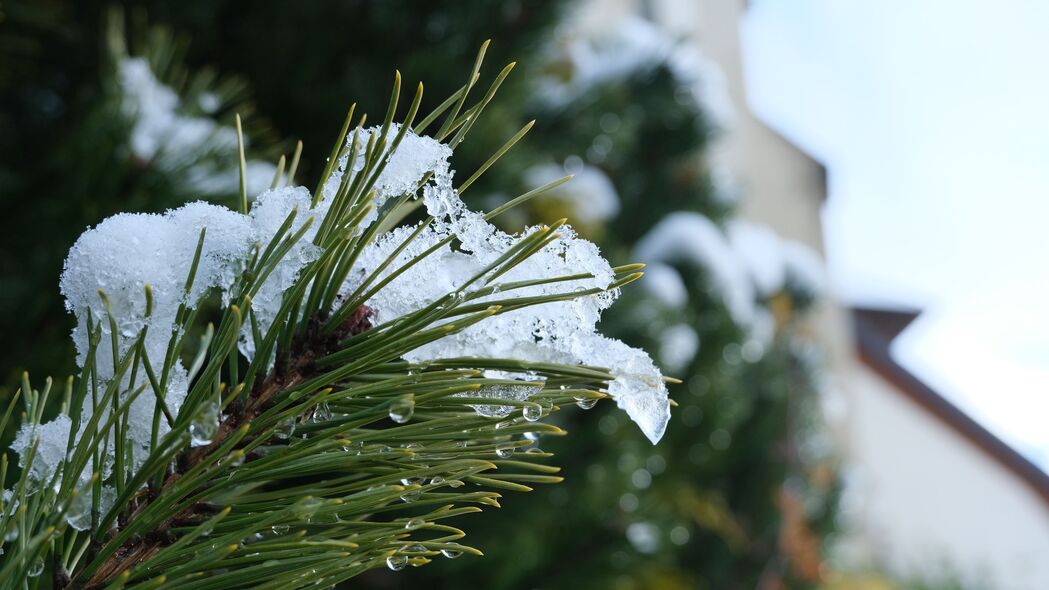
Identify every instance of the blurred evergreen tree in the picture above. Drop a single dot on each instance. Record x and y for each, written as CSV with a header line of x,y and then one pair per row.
x,y
97,118
733,497
738,494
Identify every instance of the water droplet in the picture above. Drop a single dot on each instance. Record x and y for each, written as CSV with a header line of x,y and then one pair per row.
x,y
414,523
532,412
79,513
532,436
12,534
503,424
586,402
402,408
280,529
504,451
451,553
36,568
396,562
285,428
205,424
411,495
437,480
455,483
412,480
306,508
534,451
322,413
461,444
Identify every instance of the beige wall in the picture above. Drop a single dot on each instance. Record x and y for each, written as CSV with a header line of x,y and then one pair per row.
x,y
923,493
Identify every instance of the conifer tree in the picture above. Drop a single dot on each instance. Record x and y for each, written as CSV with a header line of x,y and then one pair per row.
x,y
740,494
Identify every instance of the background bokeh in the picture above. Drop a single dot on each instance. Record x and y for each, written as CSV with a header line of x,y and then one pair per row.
x,y
107,108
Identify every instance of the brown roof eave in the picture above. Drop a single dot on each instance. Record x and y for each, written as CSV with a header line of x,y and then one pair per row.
x,y
875,330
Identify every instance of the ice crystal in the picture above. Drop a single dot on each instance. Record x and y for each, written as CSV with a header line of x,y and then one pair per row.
x,y
414,157
51,449
501,392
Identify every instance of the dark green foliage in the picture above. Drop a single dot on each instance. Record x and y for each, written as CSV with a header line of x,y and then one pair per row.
x,y
656,142
65,163
305,59
336,458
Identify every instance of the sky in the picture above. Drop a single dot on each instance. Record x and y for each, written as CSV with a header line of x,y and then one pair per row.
x,y
932,118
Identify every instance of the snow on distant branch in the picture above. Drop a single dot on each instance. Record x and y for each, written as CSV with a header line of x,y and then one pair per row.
x,y
744,263
637,46
165,134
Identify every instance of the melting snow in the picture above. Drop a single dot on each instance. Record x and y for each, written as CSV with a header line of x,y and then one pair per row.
x,y
126,252
563,331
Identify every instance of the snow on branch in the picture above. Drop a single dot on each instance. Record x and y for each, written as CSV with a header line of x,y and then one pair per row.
x,y
110,266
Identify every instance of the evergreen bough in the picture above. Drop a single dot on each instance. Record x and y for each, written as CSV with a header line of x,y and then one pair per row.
x,y
323,453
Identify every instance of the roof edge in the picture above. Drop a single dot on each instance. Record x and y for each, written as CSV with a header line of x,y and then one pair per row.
x,y
874,331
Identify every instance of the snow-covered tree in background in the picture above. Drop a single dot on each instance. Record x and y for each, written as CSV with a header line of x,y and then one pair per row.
x,y
740,493
97,126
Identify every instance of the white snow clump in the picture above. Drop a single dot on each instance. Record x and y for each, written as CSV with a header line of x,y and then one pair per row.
x,y
126,252
634,47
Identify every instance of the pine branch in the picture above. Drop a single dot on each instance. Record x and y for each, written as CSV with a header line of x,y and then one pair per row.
x,y
311,439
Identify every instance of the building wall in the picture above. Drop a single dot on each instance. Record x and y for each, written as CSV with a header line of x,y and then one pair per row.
x,y
924,498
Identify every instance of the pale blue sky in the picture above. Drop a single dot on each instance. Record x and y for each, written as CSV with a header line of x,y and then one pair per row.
x,y
932,117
